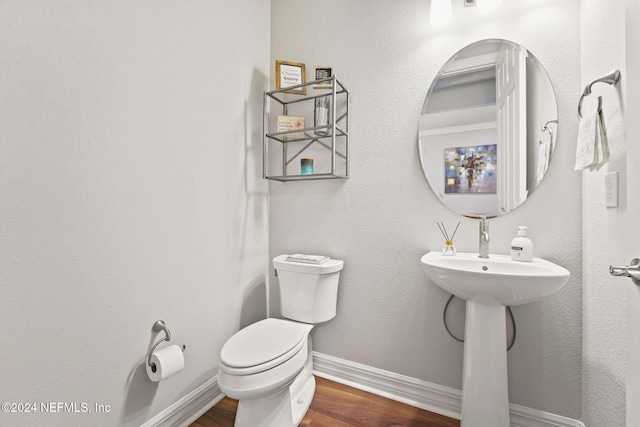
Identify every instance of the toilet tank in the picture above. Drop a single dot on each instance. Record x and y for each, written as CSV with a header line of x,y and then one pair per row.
x,y
308,292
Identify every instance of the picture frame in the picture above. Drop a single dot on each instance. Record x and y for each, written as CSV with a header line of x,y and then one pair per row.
x,y
289,123
320,72
290,74
471,169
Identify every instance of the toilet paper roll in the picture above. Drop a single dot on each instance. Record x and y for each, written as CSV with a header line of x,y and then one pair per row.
x,y
168,361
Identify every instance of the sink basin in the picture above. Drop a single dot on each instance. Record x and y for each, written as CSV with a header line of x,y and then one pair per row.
x,y
498,278
489,285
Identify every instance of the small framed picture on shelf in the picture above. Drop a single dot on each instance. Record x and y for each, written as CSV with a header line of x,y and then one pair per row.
x,y
289,123
290,74
322,73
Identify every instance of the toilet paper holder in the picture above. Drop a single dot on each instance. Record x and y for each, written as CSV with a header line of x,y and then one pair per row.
x,y
159,326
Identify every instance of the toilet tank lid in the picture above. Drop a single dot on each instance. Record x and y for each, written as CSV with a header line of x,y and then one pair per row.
x,y
331,266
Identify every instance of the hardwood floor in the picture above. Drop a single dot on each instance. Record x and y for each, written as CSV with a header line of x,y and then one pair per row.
x,y
337,405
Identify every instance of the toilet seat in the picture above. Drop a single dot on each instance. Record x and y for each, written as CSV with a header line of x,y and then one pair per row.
x,y
263,346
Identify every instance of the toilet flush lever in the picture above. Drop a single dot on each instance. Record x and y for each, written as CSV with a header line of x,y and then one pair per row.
x,y
632,271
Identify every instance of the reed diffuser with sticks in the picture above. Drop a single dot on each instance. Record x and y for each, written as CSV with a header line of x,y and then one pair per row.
x,y
448,248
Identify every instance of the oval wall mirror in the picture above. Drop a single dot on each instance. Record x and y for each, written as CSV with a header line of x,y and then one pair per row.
x,y
488,128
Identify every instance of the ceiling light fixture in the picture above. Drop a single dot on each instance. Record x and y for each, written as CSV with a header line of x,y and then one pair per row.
x,y
487,5
441,12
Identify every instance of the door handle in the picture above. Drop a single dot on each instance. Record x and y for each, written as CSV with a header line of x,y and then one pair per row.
x,y
632,270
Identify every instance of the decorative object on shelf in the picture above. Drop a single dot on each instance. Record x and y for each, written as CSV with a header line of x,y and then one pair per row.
x,y
291,74
321,115
306,166
448,248
322,73
289,123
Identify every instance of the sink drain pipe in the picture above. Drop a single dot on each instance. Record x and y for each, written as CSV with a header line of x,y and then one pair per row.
x,y
444,318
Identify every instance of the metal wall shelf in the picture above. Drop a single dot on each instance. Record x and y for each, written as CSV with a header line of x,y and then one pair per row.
x,y
293,143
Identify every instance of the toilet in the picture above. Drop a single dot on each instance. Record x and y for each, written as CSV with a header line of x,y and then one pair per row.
x,y
268,365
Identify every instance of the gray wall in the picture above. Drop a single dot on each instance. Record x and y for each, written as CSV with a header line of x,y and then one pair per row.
x,y
129,192
383,218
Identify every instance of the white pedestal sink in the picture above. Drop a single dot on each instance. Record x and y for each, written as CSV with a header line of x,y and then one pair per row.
x,y
488,285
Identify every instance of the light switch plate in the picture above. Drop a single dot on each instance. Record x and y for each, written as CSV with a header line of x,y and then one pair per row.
x,y
611,189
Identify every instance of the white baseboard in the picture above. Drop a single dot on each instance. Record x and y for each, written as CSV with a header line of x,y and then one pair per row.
x,y
422,394
188,409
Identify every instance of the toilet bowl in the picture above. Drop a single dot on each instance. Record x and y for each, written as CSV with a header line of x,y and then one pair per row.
x,y
268,366
258,367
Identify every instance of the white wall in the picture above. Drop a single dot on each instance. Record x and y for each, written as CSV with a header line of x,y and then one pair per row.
x,y
383,218
129,192
602,26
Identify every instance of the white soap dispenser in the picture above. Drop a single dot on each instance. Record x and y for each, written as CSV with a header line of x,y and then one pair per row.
x,y
522,246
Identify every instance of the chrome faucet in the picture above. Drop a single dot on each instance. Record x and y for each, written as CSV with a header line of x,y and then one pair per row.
x,y
484,238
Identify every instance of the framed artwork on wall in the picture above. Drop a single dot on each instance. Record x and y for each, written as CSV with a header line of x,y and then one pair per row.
x,y
290,74
322,73
470,169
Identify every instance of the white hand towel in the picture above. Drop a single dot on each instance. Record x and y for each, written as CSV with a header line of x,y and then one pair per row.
x,y
602,143
587,140
543,160
592,150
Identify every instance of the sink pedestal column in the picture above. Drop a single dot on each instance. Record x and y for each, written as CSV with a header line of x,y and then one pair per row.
x,y
485,396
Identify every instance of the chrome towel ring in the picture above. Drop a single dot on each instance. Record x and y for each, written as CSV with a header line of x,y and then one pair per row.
x,y
612,78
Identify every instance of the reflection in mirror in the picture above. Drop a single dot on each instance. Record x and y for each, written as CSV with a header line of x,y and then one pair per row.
x,y
488,128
